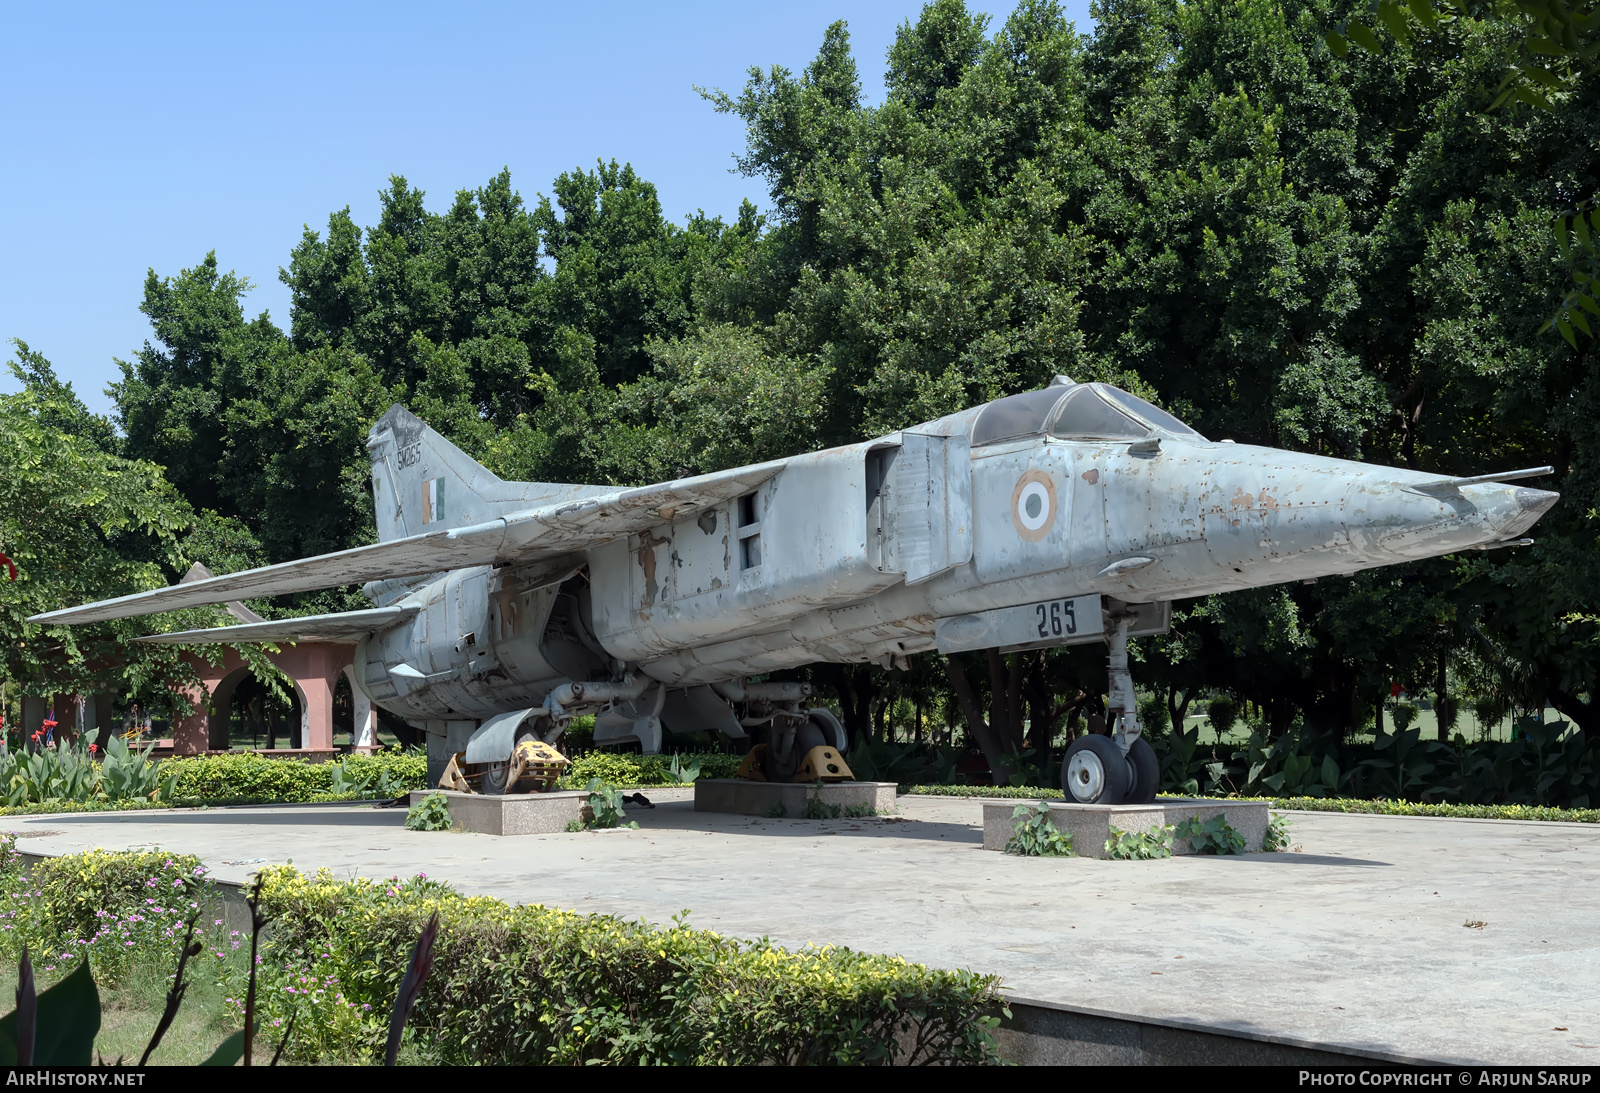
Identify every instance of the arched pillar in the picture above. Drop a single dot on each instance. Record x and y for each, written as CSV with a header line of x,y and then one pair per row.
x,y
191,735
315,668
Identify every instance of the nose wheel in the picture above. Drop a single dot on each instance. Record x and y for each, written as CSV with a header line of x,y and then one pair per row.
x,y
1095,772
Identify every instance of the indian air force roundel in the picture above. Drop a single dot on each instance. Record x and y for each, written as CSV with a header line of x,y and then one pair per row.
x,y
1033,505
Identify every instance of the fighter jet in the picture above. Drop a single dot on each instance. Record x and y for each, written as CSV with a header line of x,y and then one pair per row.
x,y
1076,513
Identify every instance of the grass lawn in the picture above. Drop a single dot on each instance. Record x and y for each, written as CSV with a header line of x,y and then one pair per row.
x,y
128,1016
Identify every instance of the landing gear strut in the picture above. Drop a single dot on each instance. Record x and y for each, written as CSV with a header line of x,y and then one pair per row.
x,y
1121,769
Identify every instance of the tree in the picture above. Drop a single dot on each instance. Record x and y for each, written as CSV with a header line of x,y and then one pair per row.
x,y
1555,47
82,524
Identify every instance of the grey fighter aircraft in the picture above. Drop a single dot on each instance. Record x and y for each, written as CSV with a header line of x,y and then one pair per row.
x,y
1076,513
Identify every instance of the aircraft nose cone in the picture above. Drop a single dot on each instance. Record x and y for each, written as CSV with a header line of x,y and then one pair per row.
x,y
1512,510
1535,503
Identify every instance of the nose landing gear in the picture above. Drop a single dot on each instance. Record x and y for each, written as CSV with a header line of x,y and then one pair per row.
x,y
1120,769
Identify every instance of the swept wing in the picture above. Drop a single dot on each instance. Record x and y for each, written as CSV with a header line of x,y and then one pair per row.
x,y
518,538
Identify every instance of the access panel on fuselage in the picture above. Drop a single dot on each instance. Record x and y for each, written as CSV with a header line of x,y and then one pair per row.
x,y
800,543
1023,500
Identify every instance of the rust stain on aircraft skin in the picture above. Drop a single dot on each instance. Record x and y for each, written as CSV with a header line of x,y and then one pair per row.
x,y
1091,476
647,562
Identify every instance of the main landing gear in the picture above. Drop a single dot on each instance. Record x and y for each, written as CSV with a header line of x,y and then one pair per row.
x,y
1120,769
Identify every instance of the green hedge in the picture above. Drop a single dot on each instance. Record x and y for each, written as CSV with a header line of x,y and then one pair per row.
x,y
248,778
1311,804
125,912
513,985
1469,812
509,985
627,770
77,892
46,808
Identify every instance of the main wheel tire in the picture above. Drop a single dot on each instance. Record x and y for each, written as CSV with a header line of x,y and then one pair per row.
x,y
833,733
1146,773
1095,772
807,736
493,782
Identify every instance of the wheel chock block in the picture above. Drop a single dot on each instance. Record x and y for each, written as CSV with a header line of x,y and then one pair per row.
x,y
535,767
751,769
823,764
452,778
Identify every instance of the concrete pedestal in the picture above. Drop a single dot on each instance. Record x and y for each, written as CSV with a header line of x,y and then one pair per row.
x,y
1090,825
765,798
513,814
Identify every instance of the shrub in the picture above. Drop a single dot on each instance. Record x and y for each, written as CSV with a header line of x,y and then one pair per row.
x,y
248,778
75,889
1032,793
626,770
885,761
1035,835
520,985
52,807
1154,718
1278,837
432,813
605,807
73,772
1413,808
1125,846
123,911
1213,836
1223,713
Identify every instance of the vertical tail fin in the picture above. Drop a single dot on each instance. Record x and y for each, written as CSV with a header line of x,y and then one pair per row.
x,y
421,482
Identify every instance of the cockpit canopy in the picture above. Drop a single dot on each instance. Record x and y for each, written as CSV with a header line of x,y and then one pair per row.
x,y
1079,411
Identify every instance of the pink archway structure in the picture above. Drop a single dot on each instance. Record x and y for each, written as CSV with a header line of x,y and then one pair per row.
x,y
313,665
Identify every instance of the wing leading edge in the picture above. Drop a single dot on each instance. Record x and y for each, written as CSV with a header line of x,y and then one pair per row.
x,y
516,539
342,626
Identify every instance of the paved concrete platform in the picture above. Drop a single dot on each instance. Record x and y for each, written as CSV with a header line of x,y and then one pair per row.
x,y
747,798
1091,825
513,813
1387,937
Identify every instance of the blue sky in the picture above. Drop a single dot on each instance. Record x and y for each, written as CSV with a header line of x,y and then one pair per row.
x,y
140,136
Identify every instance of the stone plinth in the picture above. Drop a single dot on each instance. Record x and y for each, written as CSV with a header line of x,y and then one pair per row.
x,y
764,798
514,813
1090,825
